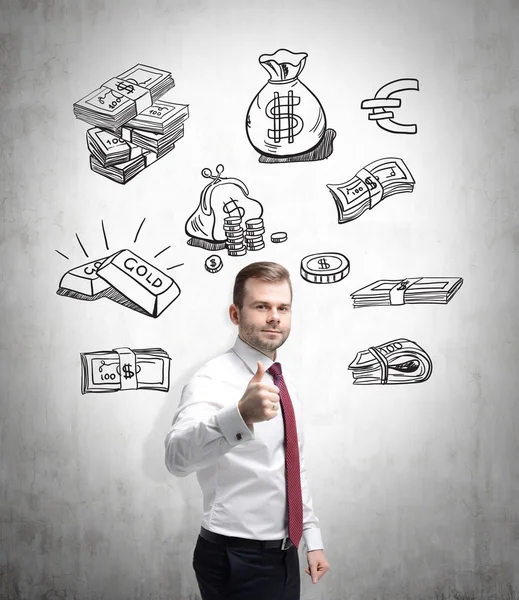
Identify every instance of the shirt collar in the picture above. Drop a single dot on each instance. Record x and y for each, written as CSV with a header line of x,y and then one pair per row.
x,y
250,355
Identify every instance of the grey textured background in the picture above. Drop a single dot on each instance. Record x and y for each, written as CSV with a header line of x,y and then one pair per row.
x,y
417,486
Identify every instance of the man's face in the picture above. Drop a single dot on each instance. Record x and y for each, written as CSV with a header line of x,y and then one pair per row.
x,y
265,318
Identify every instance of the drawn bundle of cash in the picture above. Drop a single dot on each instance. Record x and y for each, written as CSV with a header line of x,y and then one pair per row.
x,y
125,369
123,97
398,361
417,290
133,128
124,278
372,184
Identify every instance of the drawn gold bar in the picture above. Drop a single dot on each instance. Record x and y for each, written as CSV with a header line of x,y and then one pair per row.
x,y
83,282
143,284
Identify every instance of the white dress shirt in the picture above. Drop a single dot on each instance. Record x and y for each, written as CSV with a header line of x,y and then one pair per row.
x,y
241,470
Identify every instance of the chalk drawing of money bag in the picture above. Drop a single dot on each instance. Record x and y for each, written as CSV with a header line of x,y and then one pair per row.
x,y
221,198
285,118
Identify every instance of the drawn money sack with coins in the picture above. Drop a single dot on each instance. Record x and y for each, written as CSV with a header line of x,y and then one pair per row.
x,y
285,118
223,198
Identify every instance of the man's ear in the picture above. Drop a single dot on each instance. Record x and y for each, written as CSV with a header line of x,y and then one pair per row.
x,y
234,314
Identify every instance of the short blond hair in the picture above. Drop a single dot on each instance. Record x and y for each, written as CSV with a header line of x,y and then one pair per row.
x,y
264,271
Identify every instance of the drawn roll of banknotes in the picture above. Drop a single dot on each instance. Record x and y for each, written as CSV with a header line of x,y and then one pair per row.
x,y
125,369
398,361
369,186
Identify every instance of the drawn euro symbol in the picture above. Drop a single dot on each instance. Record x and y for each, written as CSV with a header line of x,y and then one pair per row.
x,y
382,102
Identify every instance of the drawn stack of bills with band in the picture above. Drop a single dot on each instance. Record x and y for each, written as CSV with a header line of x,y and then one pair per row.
x,y
417,290
372,184
124,278
133,127
398,361
125,369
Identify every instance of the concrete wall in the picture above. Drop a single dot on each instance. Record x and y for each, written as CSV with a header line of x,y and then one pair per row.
x,y
416,486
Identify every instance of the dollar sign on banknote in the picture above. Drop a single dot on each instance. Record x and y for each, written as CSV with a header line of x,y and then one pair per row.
x,y
407,367
125,86
127,370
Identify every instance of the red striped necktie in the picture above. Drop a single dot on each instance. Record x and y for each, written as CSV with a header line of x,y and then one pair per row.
x,y
292,464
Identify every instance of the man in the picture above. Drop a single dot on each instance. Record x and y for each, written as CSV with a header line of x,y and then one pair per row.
x,y
238,426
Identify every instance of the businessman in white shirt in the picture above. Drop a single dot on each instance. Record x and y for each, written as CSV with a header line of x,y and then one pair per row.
x,y
243,435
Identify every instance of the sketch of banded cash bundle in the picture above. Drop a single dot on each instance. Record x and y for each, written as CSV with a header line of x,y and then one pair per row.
x,y
125,369
133,127
369,186
413,290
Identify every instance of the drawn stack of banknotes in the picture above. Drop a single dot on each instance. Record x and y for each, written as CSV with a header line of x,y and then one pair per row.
x,y
413,290
133,127
375,182
125,369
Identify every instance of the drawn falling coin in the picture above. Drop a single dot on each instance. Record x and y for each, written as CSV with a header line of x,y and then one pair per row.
x,y
214,263
278,237
325,267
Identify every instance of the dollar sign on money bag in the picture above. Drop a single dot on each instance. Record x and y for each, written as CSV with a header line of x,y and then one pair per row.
x,y
285,118
127,370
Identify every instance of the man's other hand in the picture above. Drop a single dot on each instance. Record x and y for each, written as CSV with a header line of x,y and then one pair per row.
x,y
317,564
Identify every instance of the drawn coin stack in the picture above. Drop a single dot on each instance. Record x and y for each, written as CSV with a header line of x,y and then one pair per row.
x,y
234,236
132,127
254,230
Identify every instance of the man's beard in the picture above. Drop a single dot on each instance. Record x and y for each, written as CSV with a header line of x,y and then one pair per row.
x,y
249,335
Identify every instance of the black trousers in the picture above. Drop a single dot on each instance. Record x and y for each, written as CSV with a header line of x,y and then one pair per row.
x,y
230,573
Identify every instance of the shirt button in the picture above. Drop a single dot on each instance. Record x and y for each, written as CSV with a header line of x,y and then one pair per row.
x,y
239,436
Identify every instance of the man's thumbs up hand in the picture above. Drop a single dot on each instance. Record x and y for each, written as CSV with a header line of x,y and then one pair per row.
x,y
260,402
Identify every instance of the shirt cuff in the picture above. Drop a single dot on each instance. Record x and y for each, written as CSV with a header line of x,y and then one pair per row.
x,y
312,539
233,426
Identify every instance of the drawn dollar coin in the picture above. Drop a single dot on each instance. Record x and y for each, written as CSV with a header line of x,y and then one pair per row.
x,y
325,267
214,263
